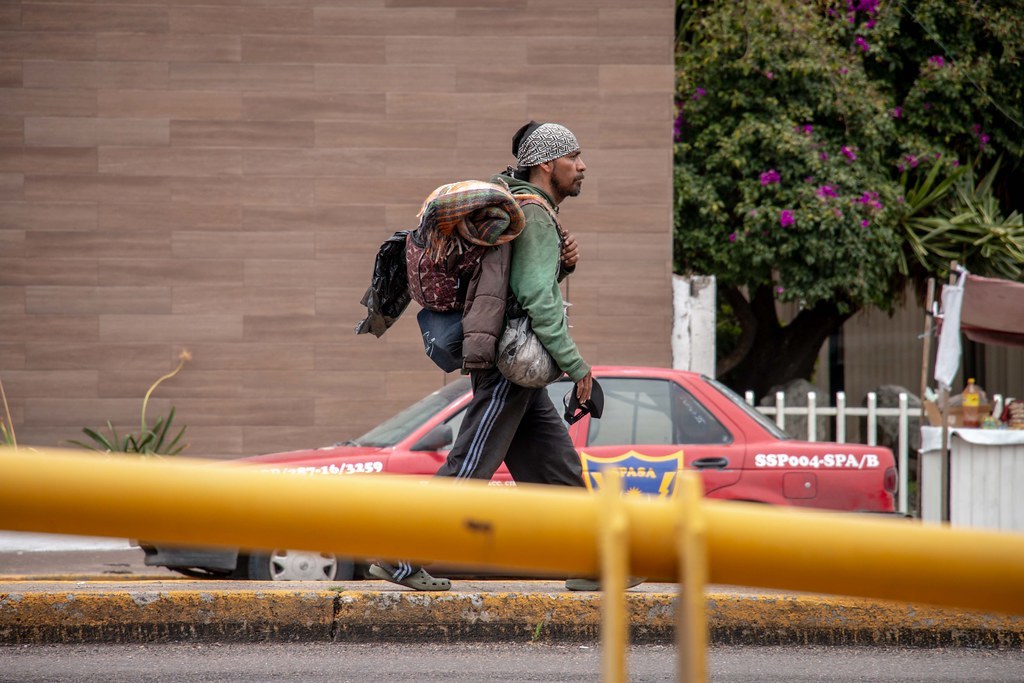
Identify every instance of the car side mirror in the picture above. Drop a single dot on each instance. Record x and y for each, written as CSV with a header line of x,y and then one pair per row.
x,y
437,438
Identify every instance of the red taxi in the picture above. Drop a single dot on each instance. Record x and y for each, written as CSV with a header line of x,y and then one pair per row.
x,y
655,422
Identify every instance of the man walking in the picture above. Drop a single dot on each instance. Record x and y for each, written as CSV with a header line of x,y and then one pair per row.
x,y
506,422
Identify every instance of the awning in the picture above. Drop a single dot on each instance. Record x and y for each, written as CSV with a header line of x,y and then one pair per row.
x,y
993,311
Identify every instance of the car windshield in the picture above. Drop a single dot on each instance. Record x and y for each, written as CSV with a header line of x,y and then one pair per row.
x,y
396,428
753,412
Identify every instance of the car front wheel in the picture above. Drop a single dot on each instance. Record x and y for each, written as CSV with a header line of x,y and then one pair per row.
x,y
297,565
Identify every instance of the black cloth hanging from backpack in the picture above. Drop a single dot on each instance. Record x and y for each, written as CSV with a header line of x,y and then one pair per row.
x,y
388,294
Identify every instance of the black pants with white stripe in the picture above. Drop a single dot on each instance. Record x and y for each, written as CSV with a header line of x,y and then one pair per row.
x,y
508,423
518,426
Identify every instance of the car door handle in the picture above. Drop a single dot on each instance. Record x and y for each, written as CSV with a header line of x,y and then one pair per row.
x,y
710,463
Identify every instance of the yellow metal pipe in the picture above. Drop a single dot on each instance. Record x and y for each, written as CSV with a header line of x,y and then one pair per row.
x,y
528,527
200,502
692,624
614,538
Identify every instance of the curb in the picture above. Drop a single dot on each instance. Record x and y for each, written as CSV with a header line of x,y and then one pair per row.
x,y
78,615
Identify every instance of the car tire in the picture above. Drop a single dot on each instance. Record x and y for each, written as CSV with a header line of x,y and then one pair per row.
x,y
296,565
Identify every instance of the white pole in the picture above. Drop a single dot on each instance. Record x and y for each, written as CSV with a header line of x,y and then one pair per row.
x,y
812,416
903,460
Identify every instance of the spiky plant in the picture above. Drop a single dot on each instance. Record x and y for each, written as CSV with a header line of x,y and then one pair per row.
x,y
151,440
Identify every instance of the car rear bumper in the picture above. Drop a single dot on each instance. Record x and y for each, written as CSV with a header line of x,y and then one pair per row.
x,y
202,558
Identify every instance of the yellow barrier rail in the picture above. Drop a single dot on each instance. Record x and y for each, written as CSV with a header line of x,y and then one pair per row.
x,y
553,529
527,527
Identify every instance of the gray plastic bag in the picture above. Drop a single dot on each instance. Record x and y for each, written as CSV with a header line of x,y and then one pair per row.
x,y
522,358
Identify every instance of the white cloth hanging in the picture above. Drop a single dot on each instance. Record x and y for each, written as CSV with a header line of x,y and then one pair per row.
x,y
947,358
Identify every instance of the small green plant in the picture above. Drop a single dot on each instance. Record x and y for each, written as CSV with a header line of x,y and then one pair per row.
x,y
7,436
150,440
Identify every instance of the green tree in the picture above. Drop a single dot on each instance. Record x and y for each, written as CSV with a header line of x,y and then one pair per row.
x,y
813,139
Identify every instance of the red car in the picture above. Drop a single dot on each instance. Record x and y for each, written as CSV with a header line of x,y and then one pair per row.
x,y
655,422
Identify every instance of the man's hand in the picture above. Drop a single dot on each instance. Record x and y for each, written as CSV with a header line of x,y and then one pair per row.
x,y
584,387
570,250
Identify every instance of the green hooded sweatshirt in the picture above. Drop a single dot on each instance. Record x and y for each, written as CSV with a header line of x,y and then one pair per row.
x,y
536,263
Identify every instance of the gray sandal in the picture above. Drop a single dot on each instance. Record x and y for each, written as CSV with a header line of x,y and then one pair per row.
x,y
420,581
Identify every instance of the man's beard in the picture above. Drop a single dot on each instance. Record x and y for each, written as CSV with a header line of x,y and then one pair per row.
x,y
570,189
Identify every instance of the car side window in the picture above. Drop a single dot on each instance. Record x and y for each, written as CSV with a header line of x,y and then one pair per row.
x,y
653,411
693,423
455,422
557,391
635,411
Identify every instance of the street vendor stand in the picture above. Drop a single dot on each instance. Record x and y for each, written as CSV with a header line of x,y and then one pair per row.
x,y
972,476
986,476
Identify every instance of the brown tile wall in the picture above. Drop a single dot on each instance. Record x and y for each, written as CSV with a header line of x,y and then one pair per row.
x,y
217,176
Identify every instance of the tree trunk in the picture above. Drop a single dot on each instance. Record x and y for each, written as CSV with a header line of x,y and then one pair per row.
x,y
779,353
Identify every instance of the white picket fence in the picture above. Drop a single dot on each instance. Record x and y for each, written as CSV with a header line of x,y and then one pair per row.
x,y
840,411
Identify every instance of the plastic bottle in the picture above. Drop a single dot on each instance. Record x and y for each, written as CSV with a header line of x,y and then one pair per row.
x,y
971,405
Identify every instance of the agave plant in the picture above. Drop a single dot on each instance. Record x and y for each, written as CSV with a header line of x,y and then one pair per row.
x,y
956,219
151,440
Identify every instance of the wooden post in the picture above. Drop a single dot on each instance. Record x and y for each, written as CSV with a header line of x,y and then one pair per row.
x,y
943,410
925,360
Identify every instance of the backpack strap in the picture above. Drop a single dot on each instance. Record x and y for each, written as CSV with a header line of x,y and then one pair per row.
x,y
563,272
524,199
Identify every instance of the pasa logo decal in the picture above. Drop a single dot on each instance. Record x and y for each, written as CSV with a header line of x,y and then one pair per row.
x,y
648,474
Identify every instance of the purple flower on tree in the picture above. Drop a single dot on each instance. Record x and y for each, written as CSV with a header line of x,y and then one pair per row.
x,y
826,191
862,44
865,223
732,237
896,113
983,139
937,61
786,218
770,177
869,6
870,200
698,93
848,152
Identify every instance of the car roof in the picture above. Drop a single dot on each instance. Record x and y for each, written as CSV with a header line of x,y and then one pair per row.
x,y
641,371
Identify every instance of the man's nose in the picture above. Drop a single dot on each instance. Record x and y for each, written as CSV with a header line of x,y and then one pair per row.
x,y
580,166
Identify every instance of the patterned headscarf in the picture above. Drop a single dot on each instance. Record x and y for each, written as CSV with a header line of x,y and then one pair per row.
x,y
548,141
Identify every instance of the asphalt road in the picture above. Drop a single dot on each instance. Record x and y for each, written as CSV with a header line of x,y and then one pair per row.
x,y
480,663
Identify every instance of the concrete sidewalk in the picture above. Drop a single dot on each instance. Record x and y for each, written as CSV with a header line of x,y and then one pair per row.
x,y
148,609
